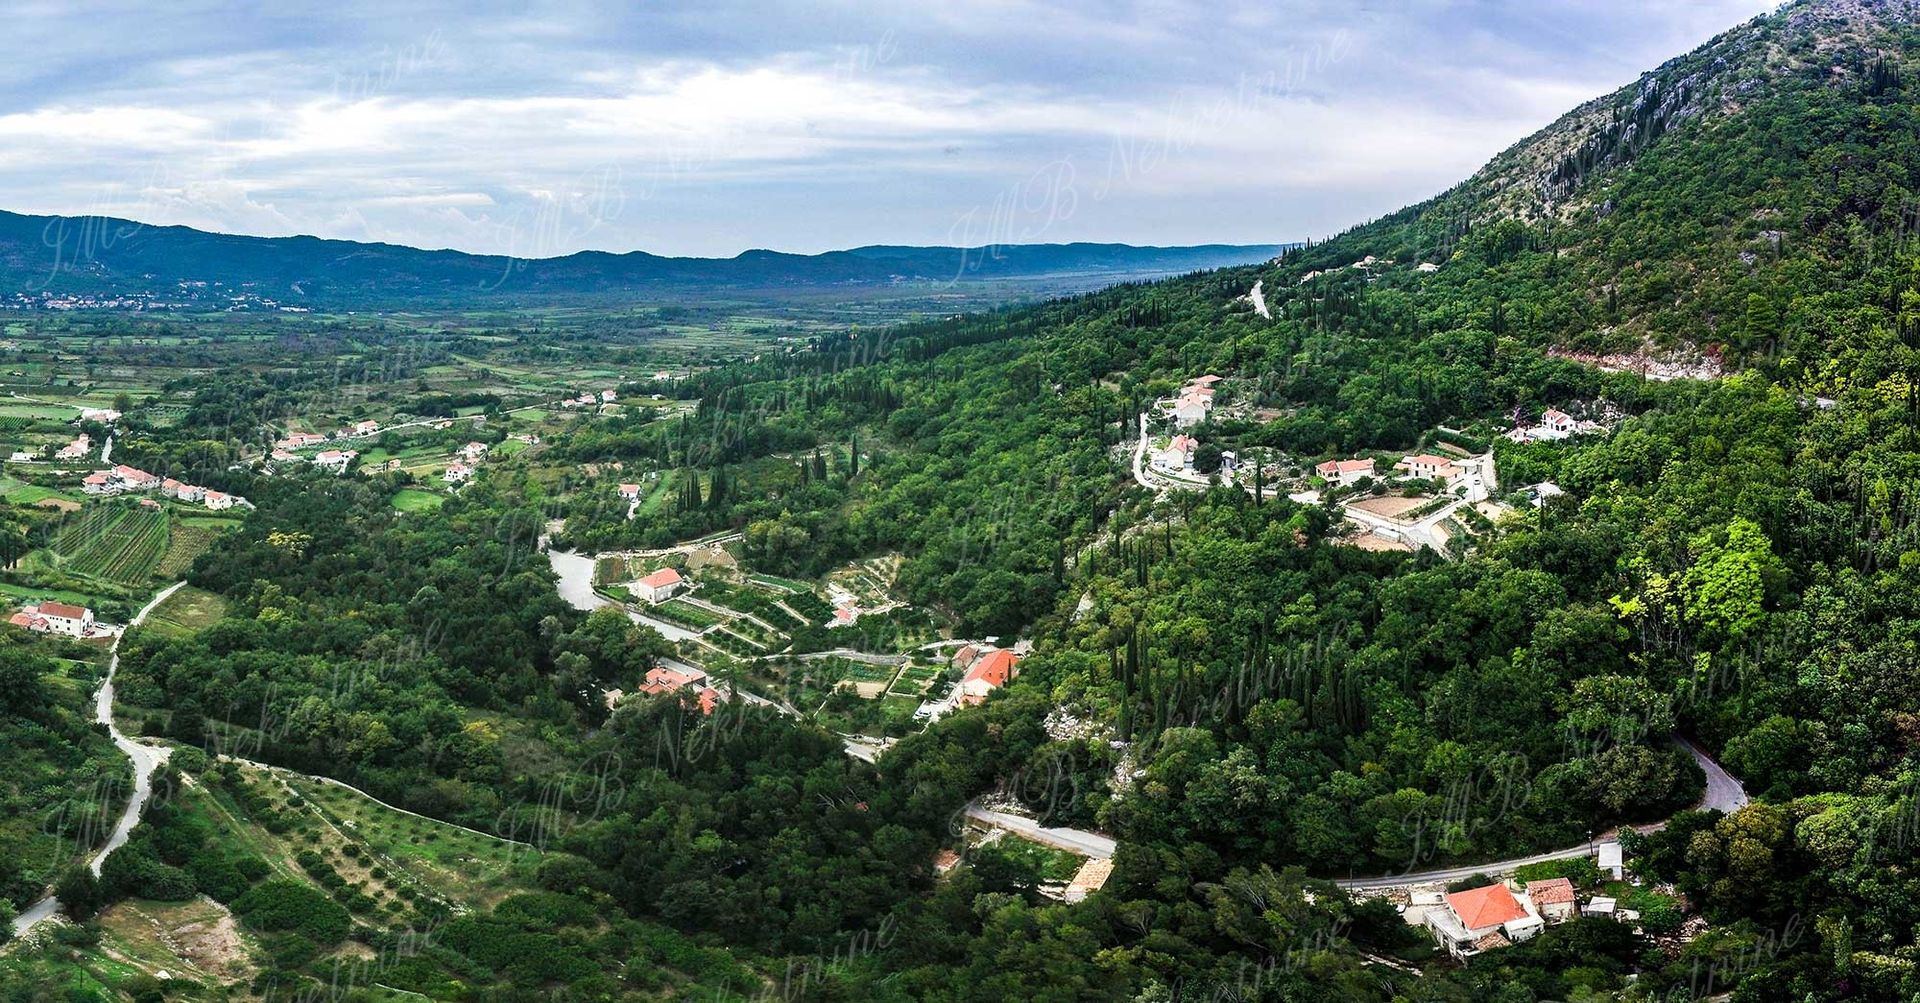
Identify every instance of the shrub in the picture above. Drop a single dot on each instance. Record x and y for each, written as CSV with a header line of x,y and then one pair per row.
x,y
277,906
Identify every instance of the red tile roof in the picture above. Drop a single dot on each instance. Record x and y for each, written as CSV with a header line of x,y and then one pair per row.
x,y
664,576
62,609
1479,908
1550,892
995,669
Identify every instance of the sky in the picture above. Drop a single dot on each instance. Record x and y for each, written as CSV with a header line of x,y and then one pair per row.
x,y
708,127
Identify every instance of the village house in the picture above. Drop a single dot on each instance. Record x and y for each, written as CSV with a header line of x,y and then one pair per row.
x,y
474,451
282,456
104,415
366,428
1178,455
1553,899
300,440
991,671
218,500
658,587
334,460
55,617
609,396
630,492
1344,473
663,680
457,473
96,484
1426,466
135,479
1481,919
76,449
1191,410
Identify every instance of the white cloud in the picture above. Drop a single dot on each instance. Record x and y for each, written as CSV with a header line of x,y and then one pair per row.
x,y
704,129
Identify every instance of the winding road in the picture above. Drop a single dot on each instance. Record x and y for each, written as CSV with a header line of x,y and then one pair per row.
x,y
146,759
1723,793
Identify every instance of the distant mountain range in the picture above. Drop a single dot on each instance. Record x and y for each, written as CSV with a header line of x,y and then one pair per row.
x,y
92,258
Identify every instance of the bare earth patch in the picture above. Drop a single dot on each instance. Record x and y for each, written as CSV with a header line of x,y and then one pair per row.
x,y
1390,507
1370,541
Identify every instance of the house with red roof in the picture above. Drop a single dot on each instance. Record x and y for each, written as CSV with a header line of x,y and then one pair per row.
x,y
991,671
1341,473
133,478
56,618
1426,466
658,587
1480,919
1552,899
630,491
334,460
1178,455
661,679
96,483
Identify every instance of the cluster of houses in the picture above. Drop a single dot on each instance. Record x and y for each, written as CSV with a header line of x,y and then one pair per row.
x,y
1554,425
590,399
1195,401
1368,264
662,680
460,471
123,479
1493,916
306,440
58,618
1471,476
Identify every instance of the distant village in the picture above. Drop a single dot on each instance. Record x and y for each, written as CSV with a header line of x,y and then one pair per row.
x,y
1426,500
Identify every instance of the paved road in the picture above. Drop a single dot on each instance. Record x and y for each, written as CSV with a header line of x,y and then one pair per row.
x,y
145,758
1139,457
1723,793
1091,844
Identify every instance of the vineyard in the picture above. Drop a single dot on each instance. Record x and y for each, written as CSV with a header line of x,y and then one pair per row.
x,y
116,543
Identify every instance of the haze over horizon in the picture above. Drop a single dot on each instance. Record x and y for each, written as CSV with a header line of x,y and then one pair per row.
x,y
684,130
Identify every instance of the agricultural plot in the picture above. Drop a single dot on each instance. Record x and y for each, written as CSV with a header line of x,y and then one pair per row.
x,y
185,544
115,543
778,584
914,680
416,500
687,614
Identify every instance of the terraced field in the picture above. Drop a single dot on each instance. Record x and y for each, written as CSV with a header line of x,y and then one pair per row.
x,y
119,543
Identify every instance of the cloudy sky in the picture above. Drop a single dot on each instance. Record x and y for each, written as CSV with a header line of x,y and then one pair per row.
x,y
711,126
